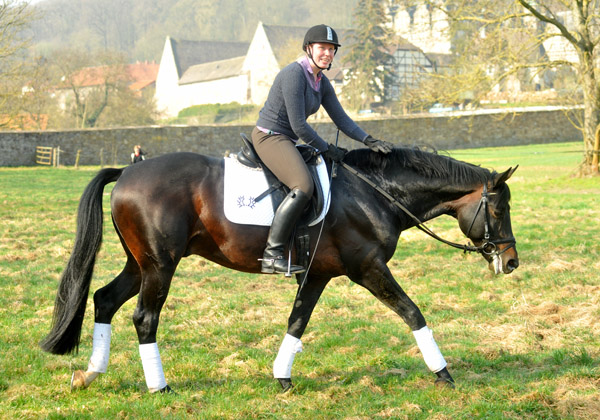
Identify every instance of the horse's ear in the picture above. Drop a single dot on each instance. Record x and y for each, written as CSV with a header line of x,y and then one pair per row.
x,y
504,176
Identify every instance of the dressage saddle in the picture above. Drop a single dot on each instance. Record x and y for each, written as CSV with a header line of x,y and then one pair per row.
x,y
278,191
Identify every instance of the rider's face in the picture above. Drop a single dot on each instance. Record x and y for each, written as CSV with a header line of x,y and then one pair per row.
x,y
323,54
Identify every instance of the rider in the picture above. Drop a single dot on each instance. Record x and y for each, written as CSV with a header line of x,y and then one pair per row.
x,y
297,92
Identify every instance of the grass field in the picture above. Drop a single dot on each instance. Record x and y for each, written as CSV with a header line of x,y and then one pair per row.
x,y
520,346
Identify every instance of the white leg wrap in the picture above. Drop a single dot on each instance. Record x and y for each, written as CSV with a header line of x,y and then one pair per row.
x,y
100,348
429,348
153,370
282,367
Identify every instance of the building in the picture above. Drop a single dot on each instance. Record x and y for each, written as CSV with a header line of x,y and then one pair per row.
x,y
192,73
138,77
198,72
424,26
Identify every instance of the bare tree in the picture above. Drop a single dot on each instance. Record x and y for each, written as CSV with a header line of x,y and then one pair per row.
x,y
577,22
15,18
524,44
94,90
87,82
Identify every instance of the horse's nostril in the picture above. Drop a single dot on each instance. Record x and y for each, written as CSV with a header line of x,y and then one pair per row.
x,y
512,264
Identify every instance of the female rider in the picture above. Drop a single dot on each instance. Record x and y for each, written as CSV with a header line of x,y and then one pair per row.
x,y
297,92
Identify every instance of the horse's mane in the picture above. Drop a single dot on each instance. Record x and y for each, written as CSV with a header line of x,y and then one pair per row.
x,y
428,164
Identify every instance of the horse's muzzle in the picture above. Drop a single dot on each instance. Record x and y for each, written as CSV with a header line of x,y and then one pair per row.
x,y
503,263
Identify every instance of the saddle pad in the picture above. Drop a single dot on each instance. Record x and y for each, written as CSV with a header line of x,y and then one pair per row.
x,y
243,184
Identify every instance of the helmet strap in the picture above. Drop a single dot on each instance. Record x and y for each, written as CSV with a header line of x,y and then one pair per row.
x,y
309,53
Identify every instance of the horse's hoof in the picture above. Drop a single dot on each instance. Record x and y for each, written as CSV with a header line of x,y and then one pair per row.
x,y
167,390
286,384
444,383
78,380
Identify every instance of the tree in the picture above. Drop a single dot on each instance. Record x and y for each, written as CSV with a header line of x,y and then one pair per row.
x,y
129,108
368,59
37,102
15,18
93,89
527,44
584,37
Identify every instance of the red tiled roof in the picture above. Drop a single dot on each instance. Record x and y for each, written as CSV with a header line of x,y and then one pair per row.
x,y
139,75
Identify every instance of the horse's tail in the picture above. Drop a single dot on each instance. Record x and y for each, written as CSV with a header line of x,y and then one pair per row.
x,y
74,287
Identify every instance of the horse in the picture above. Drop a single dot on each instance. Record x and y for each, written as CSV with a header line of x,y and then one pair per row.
x,y
171,206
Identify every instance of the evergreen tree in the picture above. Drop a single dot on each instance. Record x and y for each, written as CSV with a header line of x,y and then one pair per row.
x,y
368,59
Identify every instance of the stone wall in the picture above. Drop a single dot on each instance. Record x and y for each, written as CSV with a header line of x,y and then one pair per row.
x,y
114,146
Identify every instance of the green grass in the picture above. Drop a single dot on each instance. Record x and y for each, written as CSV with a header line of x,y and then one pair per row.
x,y
525,345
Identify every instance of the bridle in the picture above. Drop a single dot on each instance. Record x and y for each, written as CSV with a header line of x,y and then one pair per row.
x,y
488,247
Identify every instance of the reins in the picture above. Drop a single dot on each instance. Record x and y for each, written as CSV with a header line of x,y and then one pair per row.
x,y
488,247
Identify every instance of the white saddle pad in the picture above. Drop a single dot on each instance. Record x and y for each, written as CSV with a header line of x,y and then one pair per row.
x,y
244,184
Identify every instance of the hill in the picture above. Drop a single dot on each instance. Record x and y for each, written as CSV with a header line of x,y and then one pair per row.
x,y
139,27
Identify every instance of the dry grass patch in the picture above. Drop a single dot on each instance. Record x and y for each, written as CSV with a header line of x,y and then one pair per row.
x,y
577,397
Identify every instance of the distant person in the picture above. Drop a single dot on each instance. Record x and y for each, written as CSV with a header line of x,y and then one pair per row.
x,y
138,155
298,91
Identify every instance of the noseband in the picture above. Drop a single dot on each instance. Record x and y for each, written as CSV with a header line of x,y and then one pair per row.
x,y
488,247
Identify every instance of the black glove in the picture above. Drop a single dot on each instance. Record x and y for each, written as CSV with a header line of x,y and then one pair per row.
x,y
378,145
336,154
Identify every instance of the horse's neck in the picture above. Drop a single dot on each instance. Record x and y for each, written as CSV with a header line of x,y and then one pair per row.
x,y
438,198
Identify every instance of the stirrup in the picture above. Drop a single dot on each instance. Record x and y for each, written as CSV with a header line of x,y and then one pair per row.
x,y
269,266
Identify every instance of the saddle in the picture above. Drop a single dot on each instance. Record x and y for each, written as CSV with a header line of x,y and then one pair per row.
x,y
278,191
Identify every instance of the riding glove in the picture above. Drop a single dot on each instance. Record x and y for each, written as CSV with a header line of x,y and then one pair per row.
x,y
336,154
378,145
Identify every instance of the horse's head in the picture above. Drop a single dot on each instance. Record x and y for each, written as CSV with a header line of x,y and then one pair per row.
x,y
484,217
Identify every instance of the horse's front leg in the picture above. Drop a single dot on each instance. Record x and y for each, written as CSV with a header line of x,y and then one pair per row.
x,y
306,298
379,281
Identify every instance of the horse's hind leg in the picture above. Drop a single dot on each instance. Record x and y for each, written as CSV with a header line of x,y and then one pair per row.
x,y
107,302
306,299
380,282
157,273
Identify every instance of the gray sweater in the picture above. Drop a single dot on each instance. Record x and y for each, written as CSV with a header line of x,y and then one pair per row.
x,y
292,100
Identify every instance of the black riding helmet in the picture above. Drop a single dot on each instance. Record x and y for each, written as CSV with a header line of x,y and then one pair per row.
x,y
322,34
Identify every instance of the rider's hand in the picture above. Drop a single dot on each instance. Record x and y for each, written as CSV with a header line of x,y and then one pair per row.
x,y
336,154
378,145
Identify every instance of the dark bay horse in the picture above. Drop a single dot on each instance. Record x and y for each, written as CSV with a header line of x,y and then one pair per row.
x,y
170,207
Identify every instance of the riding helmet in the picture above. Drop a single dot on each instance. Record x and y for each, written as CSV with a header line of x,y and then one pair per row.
x,y
320,33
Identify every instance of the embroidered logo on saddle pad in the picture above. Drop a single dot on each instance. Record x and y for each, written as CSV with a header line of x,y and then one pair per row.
x,y
244,184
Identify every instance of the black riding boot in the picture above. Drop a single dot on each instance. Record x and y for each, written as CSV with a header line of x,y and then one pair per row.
x,y
284,220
